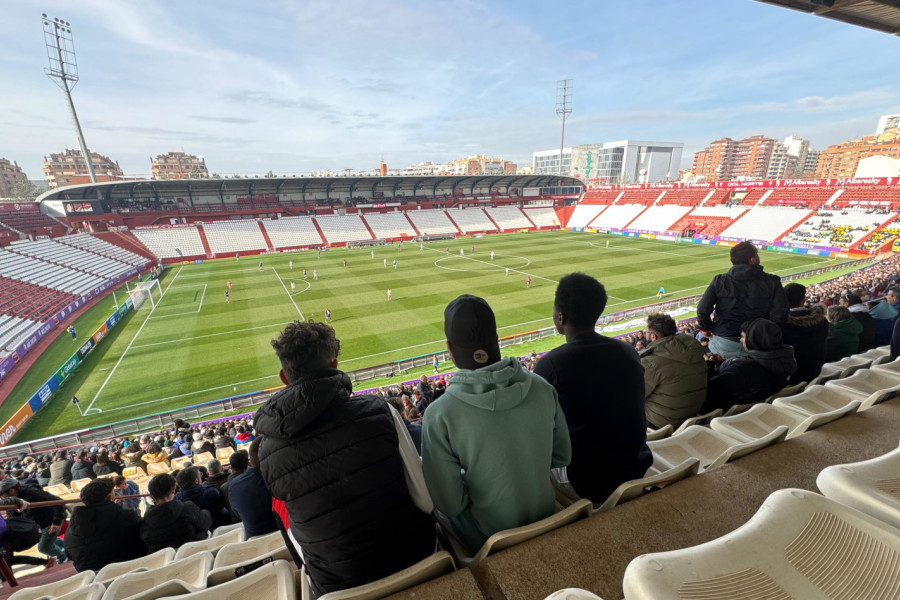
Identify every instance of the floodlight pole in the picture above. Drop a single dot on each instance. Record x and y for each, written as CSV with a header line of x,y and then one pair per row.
x,y
61,53
563,109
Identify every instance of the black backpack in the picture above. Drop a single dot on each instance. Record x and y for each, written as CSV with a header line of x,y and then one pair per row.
x,y
21,533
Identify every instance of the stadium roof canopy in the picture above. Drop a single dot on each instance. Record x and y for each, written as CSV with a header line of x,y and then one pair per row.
x,y
363,185
880,15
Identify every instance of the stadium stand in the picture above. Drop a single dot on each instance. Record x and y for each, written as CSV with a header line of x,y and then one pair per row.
x,y
291,232
13,330
841,229
432,222
472,219
72,257
172,242
33,223
93,244
617,216
601,196
343,228
389,225
765,223
509,217
542,217
686,197
229,237
643,197
659,218
31,270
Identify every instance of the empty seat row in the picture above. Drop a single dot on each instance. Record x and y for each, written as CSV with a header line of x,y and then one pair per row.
x,y
509,217
389,225
290,232
432,222
227,237
343,228
471,219
173,242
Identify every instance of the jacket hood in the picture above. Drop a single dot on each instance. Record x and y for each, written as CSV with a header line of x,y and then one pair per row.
x,y
849,326
883,310
679,348
499,386
780,361
763,334
858,308
95,520
746,272
807,317
292,409
163,515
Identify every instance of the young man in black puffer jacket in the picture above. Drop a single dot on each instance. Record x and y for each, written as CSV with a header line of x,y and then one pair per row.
x,y
169,523
102,532
806,331
340,462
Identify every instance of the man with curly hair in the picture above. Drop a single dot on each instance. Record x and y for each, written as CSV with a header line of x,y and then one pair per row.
x,y
344,465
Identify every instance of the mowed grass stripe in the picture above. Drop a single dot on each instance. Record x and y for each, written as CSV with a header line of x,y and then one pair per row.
x,y
193,358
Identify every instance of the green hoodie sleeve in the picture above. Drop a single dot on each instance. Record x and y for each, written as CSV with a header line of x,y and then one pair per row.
x,y
562,445
442,469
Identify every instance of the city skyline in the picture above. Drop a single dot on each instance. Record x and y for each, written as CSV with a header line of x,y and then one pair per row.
x,y
324,86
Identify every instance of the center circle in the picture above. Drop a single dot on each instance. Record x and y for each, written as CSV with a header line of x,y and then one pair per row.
x,y
468,264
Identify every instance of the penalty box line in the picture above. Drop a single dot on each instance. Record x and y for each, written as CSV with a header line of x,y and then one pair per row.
x,y
130,344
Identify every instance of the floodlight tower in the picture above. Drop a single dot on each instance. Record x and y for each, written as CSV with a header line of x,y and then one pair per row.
x,y
563,109
63,70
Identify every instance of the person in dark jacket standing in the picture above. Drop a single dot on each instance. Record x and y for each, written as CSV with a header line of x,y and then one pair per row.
x,y
250,499
742,294
607,425
102,532
169,523
754,377
207,498
61,469
674,373
48,518
340,463
806,332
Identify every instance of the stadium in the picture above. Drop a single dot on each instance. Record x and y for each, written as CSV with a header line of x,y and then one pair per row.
x,y
144,311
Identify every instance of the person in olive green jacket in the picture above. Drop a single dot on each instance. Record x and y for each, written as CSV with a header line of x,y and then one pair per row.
x,y
674,373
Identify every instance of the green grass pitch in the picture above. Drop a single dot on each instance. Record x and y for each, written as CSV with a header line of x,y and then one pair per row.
x,y
194,347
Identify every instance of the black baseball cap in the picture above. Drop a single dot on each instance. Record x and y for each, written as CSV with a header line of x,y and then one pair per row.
x,y
471,331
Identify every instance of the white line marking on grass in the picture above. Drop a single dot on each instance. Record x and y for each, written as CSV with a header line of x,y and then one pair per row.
x,y
198,337
203,295
188,394
111,373
493,264
190,312
288,293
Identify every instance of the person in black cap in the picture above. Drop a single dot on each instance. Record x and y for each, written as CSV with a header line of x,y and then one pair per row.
x,y
489,442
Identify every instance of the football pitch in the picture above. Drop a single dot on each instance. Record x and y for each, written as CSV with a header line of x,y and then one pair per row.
x,y
195,347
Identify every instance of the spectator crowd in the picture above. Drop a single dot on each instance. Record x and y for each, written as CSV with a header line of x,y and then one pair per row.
x,y
364,478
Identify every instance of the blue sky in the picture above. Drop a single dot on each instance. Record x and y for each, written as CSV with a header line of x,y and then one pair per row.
x,y
330,84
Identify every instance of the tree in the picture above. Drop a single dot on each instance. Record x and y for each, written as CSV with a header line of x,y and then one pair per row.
x,y
23,191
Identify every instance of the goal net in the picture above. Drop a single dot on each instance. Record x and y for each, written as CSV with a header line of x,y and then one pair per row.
x,y
147,292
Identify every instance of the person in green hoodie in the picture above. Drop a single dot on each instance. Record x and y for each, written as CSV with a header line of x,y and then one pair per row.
x,y
674,373
489,442
845,332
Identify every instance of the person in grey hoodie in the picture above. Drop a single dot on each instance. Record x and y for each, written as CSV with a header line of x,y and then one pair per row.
x,y
489,442
674,373
754,377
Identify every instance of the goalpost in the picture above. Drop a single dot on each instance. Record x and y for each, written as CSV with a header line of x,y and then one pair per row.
x,y
146,290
